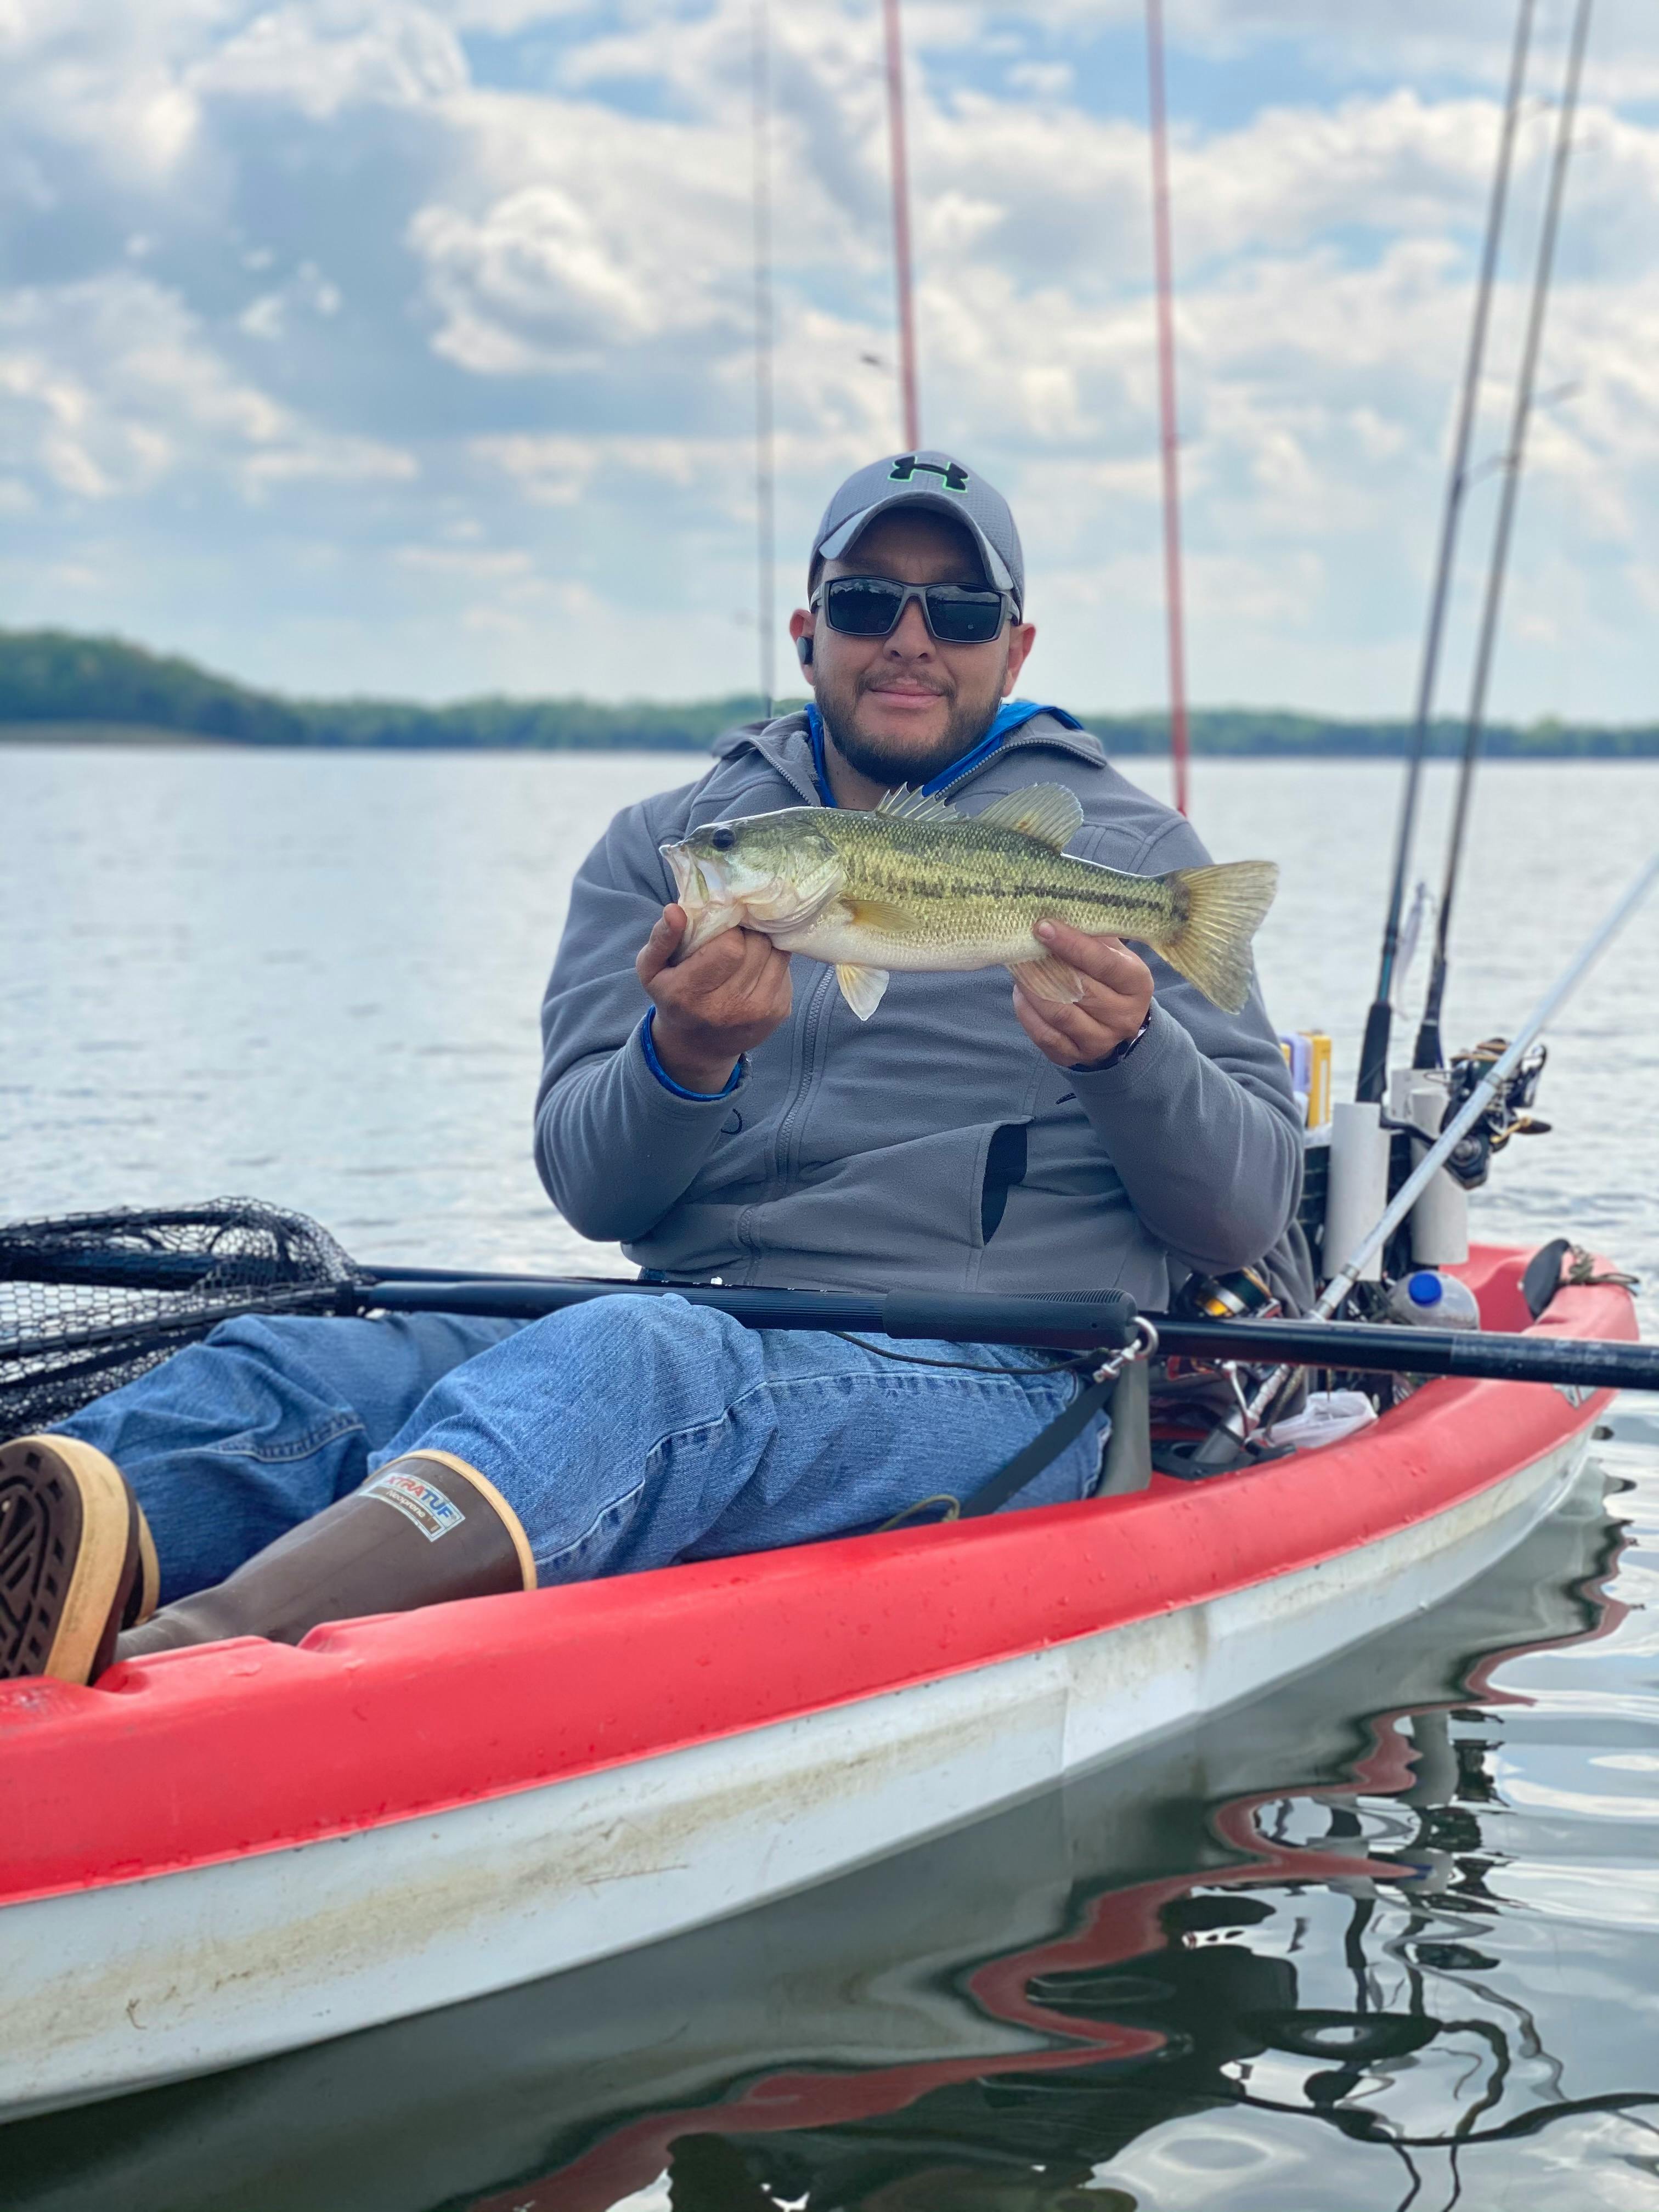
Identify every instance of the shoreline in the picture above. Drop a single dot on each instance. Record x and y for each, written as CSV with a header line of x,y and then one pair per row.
x,y
1125,740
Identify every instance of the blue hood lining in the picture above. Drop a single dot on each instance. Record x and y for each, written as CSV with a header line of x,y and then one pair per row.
x,y
1012,715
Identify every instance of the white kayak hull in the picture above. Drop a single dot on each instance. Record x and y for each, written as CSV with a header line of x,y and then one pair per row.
x,y
119,1983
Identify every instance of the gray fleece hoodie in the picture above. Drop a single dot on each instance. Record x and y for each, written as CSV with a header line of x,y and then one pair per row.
x,y
932,1146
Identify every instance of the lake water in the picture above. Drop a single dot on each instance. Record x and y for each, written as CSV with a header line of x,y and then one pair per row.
x,y
315,977
1388,1938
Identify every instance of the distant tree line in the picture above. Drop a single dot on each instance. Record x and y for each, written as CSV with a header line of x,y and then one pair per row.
x,y
56,676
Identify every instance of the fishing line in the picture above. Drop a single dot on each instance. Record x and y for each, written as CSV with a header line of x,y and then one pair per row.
x,y
765,348
904,282
1168,426
1374,1052
1429,1052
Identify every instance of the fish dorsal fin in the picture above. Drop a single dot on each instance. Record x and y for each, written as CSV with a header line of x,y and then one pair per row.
x,y
907,806
1047,812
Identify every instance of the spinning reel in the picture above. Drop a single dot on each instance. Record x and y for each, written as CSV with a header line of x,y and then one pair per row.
x,y
1510,1115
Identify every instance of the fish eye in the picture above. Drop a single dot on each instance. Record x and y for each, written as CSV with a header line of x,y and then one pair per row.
x,y
722,839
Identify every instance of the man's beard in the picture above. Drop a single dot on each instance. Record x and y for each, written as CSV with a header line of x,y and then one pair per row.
x,y
888,760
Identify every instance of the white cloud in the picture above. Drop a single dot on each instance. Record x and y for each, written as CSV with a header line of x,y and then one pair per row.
x,y
322,56
267,316
395,272
505,15
558,470
108,387
531,284
476,563
107,78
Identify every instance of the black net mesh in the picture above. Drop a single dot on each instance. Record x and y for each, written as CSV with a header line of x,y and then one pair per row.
x,y
90,1300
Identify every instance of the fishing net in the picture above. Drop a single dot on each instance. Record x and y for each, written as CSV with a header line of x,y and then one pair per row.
x,y
89,1301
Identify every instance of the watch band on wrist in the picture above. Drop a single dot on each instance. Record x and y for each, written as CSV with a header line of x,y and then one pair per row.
x,y
701,1097
1118,1053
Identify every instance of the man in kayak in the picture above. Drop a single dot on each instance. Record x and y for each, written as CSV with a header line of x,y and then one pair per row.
x,y
725,1117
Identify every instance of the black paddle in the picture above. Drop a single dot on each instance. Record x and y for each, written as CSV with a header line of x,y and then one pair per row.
x,y
1077,1321
76,1291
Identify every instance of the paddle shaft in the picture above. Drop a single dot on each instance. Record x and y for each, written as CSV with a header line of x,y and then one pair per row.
x,y
1081,1322
1078,1324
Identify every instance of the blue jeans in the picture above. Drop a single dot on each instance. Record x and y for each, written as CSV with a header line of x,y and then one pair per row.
x,y
626,1433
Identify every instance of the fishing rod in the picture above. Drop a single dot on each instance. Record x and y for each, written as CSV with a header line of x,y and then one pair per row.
x,y
1244,1423
1169,443
765,326
1429,1052
907,315
1374,1050
1484,1091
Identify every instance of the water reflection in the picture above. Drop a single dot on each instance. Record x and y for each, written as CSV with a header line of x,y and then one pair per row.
x,y
1414,1971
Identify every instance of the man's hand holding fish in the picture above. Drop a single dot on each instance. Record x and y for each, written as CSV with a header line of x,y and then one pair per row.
x,y
1113,1009
714,1003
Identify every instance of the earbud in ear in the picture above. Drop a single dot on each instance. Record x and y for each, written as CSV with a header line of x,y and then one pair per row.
x,y
804,648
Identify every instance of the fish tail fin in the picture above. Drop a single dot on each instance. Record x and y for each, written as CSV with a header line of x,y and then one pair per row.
x,y
1220,909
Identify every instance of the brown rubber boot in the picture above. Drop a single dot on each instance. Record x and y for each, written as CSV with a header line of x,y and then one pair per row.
x,y
426,1528
147,1583
76,1560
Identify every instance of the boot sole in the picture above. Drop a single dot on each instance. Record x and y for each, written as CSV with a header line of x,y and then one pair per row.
x,y
147,1583
71,1553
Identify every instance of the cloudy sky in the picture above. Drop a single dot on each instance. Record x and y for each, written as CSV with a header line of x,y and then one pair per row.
x,y
376,345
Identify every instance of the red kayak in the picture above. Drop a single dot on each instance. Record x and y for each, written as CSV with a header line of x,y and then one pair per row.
x,y
228,1851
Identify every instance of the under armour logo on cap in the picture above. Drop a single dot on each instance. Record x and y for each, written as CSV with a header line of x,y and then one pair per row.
x,y
914,482
951,474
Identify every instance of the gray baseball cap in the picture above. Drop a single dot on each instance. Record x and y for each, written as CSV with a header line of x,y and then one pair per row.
x,y
938,485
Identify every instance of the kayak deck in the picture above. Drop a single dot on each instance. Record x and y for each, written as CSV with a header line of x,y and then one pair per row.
x,y
523,1782
407,1714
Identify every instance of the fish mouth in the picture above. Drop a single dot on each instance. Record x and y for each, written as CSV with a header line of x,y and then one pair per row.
x,y
701,888
689,882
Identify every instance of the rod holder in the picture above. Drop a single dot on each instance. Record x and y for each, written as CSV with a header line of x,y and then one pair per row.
x,y
1440,1218
1358,1189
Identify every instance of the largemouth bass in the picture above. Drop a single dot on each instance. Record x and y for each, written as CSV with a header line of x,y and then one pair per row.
x,y
916,885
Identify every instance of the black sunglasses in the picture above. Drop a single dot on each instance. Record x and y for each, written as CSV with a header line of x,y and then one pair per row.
x,y
873,606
